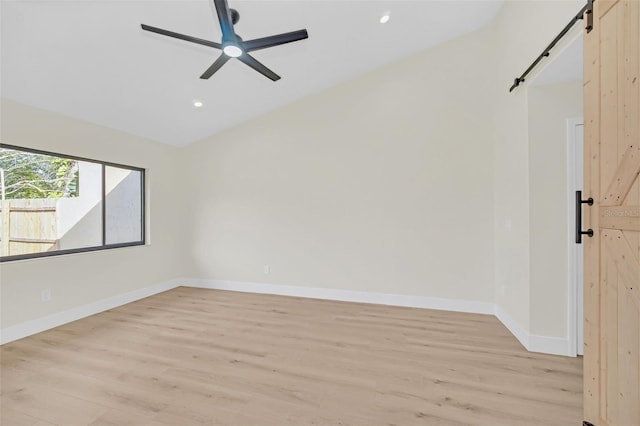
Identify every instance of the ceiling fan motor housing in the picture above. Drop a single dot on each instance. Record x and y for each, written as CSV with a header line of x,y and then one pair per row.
x,y
235,16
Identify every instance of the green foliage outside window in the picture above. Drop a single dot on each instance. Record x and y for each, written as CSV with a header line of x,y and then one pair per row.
x,y
28,175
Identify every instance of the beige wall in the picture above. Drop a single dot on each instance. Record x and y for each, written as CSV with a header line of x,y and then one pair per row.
x,y
77,280
549,109
381,184
523,30
414,179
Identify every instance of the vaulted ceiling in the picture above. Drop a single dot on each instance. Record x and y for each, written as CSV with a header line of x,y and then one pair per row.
x,y
90,60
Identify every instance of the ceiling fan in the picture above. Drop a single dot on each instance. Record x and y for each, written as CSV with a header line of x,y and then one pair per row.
x,y
232,45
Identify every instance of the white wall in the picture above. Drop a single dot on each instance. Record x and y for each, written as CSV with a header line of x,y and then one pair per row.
x,y
80,279
123,205
523,30
549,109
382,184
79,218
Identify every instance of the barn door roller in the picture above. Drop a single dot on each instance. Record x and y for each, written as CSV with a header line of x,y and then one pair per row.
x,y
589,12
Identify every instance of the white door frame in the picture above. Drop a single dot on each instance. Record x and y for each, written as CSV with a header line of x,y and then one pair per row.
x,y
575,292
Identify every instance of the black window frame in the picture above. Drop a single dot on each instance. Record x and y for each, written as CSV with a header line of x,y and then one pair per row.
x,y
103,246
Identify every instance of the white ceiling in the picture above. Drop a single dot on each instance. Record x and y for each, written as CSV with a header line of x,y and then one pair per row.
x,y
90,60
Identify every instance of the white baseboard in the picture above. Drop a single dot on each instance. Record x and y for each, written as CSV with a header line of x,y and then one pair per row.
x,y
29,328
455,305
513,326
549,345
531,342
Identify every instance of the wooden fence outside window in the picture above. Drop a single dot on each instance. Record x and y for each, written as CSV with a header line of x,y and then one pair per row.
x,y
28,226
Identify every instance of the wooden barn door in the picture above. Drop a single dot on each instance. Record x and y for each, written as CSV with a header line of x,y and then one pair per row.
x,y
612,165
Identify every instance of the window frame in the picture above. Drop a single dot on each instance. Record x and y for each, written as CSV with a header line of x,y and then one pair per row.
x,y
103,246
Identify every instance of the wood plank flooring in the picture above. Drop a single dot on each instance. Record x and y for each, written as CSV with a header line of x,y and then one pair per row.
x,y
206,357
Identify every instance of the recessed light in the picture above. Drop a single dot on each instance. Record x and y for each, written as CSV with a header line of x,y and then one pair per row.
x,y
385,18
197,103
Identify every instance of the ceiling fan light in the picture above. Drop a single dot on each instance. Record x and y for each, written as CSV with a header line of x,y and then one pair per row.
x,y
232,50
385,18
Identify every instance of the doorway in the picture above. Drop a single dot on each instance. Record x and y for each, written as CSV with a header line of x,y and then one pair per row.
x,y
556,132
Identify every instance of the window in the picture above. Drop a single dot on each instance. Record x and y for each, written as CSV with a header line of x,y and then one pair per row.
x,y
55,204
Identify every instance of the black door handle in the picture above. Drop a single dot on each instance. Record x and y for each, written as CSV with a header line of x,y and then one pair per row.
x,y
579,203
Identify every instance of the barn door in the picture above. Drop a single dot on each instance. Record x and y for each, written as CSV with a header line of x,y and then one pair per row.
x,y
611,259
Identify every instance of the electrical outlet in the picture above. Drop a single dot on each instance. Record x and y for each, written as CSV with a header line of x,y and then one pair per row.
x,y
267,269
45,295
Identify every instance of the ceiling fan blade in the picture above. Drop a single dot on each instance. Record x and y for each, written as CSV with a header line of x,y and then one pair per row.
x,y
274,40
181,36
224,17
222,59
253,63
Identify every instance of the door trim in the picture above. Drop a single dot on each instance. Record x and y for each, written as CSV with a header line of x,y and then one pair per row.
x,y
573,310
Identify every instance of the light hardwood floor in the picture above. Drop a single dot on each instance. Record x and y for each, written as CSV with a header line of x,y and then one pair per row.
x,y
194,356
